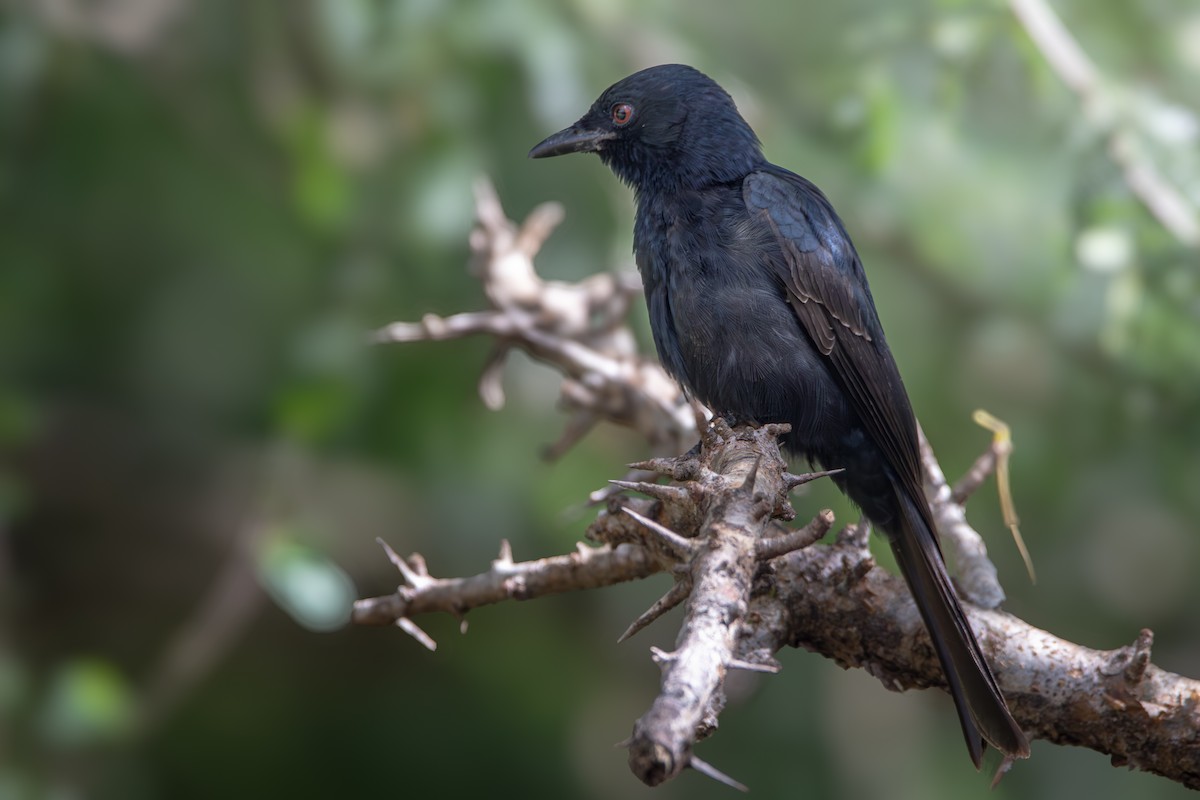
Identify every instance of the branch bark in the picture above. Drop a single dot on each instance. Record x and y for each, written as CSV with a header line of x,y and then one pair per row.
x,y
751,584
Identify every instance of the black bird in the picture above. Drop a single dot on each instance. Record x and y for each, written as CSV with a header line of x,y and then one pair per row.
x,y
760,307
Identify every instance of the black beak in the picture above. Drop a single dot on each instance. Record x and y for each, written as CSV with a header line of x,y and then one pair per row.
x,y
571,140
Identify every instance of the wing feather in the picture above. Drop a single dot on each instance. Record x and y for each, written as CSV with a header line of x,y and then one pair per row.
x,y
827,289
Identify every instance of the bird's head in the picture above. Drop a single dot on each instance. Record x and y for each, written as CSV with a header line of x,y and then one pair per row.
x,y
663,129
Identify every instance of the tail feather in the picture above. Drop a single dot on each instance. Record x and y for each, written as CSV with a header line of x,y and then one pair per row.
x,y
982,711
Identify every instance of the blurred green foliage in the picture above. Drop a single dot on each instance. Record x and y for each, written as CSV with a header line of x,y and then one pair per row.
x,y
206,205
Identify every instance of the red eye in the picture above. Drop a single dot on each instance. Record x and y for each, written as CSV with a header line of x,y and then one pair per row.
x,y
622,113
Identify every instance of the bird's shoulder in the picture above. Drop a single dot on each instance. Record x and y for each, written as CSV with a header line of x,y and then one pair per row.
x,y
801,213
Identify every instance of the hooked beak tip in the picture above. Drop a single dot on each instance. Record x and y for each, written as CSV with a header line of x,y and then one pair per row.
x,y
570,140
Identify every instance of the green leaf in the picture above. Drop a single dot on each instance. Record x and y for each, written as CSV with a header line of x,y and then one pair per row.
x,y
88,702
312,589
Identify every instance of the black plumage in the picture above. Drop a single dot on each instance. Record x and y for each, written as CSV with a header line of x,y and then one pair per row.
x,y
760,307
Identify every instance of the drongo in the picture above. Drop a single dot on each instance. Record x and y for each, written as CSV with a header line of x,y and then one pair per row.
x,y
760,308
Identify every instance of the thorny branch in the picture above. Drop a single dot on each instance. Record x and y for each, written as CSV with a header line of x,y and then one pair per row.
x,y
751,585
578,328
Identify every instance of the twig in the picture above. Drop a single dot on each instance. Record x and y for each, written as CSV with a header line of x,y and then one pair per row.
x,y
1000,451
775,546
578,328
208,634
975,576
674,596
586,568
1068,60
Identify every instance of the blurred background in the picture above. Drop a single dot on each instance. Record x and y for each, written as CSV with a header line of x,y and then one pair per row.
x,y
206,204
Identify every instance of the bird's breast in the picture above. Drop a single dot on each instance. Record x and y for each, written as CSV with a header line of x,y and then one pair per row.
x,y
718,310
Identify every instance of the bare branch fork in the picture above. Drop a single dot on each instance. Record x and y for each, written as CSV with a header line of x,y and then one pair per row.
x,y
750,584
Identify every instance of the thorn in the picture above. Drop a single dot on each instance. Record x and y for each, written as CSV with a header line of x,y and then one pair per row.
x,y
791,481
747,487
751,666
624,743
674,596
1002,770
681,546
860,571
408,626
662,466
391,554
491,380
601,495
708,770
1136,670
1133,659
659,491
462,619
661,657
505,558
414,578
